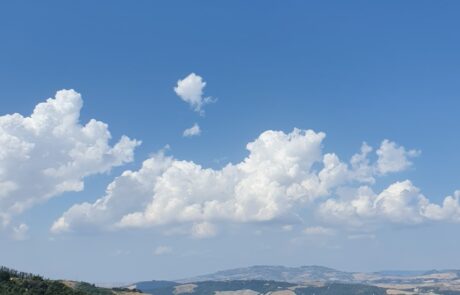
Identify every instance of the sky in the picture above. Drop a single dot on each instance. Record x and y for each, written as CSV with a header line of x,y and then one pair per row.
x,y
165,139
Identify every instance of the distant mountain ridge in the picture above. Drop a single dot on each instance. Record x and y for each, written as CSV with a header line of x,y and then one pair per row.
x,y
309,280
276,273
312,273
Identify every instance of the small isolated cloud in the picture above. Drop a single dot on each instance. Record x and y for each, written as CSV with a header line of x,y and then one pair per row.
x,y
192,131
162,250
190,90
20,232
50,152
319,231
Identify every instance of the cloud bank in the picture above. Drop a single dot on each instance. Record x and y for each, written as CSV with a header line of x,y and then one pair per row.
x,y
284,174
49,153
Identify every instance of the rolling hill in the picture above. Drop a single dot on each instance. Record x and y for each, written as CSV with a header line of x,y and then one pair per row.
x,y
313,279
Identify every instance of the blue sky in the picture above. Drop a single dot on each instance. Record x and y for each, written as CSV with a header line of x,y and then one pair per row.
x,y
357,71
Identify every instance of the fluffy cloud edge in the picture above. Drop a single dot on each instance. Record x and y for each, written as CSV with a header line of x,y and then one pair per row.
x,y
195,130
190,90
49,153
284,172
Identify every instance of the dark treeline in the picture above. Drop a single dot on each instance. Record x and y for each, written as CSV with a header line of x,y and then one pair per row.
x,y
13,282
8,273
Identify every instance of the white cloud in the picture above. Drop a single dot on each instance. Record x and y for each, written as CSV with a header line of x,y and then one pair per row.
x,y
399,203
394,158
449,210
192,131
277,173
285,175
49,153
162,250
190,90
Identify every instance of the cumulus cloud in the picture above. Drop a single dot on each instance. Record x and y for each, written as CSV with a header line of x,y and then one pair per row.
x,y
449,210
284,175
399,203
167,191
192,131
190,90
394,158
50,152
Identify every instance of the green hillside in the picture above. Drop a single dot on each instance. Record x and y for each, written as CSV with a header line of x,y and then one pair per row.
x,y
17,283
13,282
